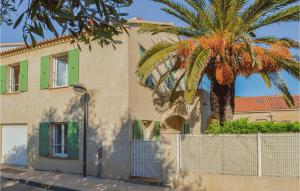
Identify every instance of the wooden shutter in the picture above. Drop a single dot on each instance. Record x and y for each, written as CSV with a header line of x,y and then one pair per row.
x,y
186,128
44,139
73,67
73,140
23,76
137,130
3,79
45,72
156,131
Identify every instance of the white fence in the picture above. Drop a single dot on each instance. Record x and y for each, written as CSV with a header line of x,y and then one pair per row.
x,y
145,159
254,155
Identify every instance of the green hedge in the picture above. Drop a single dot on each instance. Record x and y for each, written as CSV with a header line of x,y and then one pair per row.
x,y
243,126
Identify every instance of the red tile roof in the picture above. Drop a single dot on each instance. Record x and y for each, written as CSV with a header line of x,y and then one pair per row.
x,y
264,103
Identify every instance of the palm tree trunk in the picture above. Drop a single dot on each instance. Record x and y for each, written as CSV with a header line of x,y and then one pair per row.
x,y
222,100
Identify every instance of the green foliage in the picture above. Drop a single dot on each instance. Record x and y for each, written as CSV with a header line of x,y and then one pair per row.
x,y
243,126
236,22
85,20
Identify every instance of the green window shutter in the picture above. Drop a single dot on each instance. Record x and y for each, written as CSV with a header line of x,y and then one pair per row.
x,y
3,79
44,139
156,131
137,130
45,72
73,140
186,128
24,76
73,68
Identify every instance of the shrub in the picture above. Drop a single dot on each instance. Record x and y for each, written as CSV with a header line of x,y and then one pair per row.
x,y
243,126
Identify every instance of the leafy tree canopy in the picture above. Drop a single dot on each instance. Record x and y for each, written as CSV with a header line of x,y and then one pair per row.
x,y
85,20
220,40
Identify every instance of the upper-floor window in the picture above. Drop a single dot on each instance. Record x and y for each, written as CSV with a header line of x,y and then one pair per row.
x,y
60,71
14,78
142,50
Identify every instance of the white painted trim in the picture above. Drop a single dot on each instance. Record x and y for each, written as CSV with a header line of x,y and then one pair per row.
x,y
259,165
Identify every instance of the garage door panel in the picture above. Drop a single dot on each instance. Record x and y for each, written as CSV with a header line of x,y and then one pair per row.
x,y
14,144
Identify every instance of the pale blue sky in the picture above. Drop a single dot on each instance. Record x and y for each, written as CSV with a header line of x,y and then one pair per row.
x,y
150,10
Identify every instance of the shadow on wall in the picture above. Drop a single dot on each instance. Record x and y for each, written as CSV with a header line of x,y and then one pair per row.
x,y
195,114
112,136
176,180
16,156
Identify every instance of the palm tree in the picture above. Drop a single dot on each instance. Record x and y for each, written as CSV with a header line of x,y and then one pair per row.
x,y
219,40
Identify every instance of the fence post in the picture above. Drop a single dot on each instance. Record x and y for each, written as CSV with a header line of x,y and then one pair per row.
x,y
177,152
259,167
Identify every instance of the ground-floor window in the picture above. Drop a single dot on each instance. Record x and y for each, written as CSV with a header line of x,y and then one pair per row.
x,y
60,140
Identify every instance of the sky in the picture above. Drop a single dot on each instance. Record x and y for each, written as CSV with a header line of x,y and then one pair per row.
x,y
149,10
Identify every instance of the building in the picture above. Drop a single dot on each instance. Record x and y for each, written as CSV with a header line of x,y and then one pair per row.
x,y
267,108
8,46
42,116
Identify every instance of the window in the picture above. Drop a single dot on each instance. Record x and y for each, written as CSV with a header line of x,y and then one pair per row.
x,y
142,50
149,81
60,71
59,140
14,78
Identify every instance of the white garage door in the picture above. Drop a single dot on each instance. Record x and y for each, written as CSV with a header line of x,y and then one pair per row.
x,y
14,144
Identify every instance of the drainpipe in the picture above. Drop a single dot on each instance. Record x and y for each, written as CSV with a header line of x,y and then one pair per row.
x,y
81,89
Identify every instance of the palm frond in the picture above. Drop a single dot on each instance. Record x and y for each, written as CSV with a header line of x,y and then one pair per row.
x,y
162,78
203,13
179,31
197,64
278,83
290,66
269,40
180,11
265,77
234,12
256,10
174,90
287,15
154,57
281,4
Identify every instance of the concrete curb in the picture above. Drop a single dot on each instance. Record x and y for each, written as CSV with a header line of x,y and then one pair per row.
x,y
38,184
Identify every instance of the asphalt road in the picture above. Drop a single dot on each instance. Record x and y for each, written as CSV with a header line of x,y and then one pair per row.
x,y
15,186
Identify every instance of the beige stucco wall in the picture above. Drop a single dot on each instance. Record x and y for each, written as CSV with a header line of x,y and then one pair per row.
x,y
277,116
116,98
105,73
195,114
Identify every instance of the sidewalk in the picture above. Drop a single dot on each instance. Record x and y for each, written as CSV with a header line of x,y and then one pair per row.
x,y
62,181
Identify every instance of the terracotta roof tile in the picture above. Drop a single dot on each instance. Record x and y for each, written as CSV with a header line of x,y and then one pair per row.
x,y
264,103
